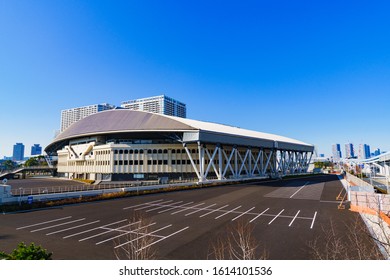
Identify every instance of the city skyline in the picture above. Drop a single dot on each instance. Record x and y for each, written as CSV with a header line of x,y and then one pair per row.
x,y
301,70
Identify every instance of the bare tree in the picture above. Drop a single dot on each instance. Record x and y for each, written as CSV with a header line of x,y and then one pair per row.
x,y
354,244
136,243
237,243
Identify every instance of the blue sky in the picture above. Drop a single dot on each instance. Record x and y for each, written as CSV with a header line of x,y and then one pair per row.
x,y
316,71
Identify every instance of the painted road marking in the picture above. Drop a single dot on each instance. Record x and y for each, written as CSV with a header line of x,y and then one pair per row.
x,y
276,217
259,215
314,218
215,210
175,207
125,232
107,230
103,228
83,225
142,204
230,211
242,214
299,190
152,205
296,215
89,230
162,206
148,234
187,208
201,209
75,221
163,238
44,223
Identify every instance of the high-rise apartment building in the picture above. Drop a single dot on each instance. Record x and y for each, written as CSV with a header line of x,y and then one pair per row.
x,y
336,151
36,150
70,116
18,152
349,151
158,104
364,151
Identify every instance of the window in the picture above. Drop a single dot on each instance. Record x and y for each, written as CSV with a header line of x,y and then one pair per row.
x,y
121,162
173,151
126,152
135,151
130,162
149,151
160,151
173,161
121,152
193,151
178,151
149,162
126,162
115,162
154,162
141,151
131,152
165,151
159,162
165,162
136,162
141,162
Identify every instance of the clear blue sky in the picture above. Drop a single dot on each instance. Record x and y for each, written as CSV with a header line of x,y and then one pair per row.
x,y
317,71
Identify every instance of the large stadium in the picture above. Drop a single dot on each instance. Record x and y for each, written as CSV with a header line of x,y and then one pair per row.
x,y
122,144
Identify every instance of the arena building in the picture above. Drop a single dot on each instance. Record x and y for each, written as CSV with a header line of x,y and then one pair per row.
x,y
124,144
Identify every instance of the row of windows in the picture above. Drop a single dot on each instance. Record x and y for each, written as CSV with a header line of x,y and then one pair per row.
x,y
107,152
155,151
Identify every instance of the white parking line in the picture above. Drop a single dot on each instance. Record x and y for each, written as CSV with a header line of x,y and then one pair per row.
x,y
187,208
175,207
107,230
296,215
83,225
75,221
152,205
314,218
196,211
142,204
215,210
96,228
163,238
242,214
154,209
299,190
259,215
148,234
276,217
230,211
44,223
125,232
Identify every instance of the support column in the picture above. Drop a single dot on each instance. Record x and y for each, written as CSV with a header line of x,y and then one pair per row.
x,y
220,163
201,162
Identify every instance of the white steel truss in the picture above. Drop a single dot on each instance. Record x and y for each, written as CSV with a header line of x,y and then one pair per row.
x,y
219,162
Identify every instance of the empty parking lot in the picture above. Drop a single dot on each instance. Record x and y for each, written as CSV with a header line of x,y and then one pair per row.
x,y
285,215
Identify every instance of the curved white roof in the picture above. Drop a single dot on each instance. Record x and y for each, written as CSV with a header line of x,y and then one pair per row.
x,y
130,121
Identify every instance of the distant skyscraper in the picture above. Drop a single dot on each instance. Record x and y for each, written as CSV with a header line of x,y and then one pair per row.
x,y
70,116
349,151
158,104
36,150
377,152
336,151
18,153
364,151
